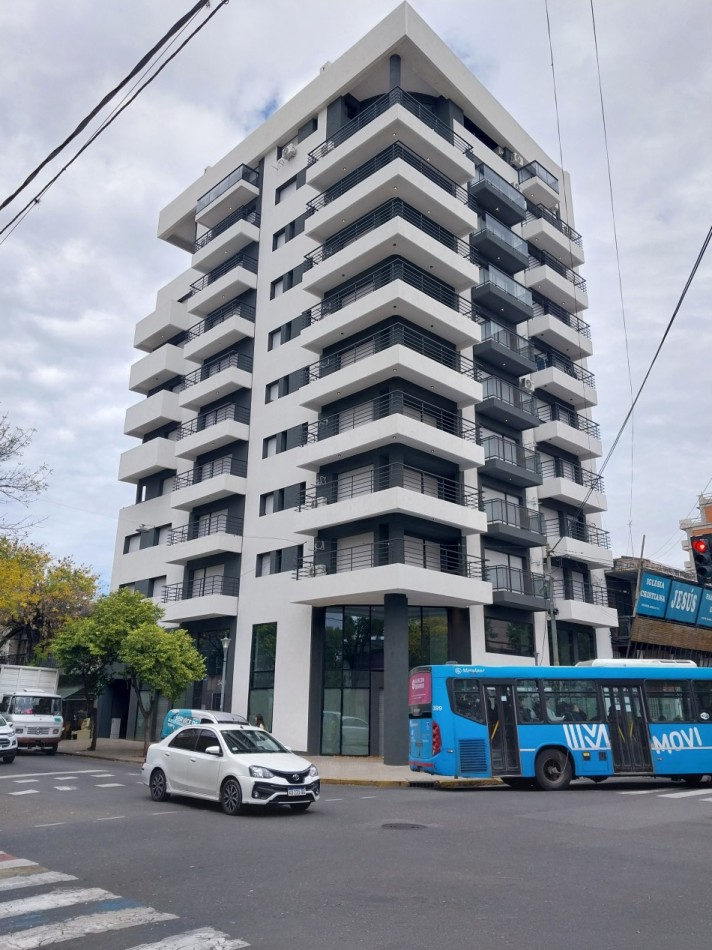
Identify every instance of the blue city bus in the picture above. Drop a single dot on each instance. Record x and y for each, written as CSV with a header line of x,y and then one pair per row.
x,y
546,725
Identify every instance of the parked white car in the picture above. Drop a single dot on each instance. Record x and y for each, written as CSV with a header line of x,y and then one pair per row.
x,y
8,741
234,764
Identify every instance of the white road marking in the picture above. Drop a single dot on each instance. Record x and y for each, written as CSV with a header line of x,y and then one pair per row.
x,y
52,900
65,778
66,788
332,799
104,775
32,880
16,863
33,775
644,791
109,785
50,824
174,812
77,927
368,796
690,794
28,791
24,781
206,939
113,818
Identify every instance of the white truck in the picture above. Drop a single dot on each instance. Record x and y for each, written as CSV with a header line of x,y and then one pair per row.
x,y
29,700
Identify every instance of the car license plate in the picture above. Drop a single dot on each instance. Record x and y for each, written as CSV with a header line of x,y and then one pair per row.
x,y
296,792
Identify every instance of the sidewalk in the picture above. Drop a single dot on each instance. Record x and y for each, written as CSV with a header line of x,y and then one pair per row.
x,y
334,770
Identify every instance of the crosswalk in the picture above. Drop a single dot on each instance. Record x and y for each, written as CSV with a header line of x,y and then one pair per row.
x,y
60,909
698,793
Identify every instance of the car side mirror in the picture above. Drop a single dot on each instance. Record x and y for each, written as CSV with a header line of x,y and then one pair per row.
x,y
213,750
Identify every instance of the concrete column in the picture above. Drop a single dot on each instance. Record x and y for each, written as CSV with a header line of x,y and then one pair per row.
x,y
395,689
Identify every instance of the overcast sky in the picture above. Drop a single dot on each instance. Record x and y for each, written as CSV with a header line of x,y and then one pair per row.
x,y
85,265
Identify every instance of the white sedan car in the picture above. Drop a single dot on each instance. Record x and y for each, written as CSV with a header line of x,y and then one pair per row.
x,y
233,764
8,740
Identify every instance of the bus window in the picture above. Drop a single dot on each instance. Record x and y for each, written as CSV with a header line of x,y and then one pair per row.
x,y
703,695
571,701
528,704
669,701
465,699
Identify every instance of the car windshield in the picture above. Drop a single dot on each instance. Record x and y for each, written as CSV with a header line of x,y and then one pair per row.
x,y
240,741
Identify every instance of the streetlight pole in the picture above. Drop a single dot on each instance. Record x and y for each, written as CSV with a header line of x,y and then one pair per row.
x,y
226,646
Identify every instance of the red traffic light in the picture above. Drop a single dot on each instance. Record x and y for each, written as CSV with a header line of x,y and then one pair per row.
x,y
700,545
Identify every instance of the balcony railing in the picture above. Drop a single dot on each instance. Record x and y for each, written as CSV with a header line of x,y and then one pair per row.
x,y
398,269
216,366
542,212
493,226
205,587
559,468
233,308
213,524
581,591
241,173
212,418
517,516
535,170
508,284
556,413
411,551
394,335
247,213
508,339
396,96
237,260
500,389
226,466
392,403
542,305
579,531
396,475
512,579
498,448
545,360
538,257
485,173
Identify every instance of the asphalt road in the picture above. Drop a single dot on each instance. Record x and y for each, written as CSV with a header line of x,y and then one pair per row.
x,y
616,865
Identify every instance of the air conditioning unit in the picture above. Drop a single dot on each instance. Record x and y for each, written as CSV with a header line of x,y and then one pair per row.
x,y
516,160
500,151
320,570
318,544
527,384
289,151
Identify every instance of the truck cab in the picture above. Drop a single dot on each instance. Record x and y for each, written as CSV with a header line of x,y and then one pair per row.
x,y
36,716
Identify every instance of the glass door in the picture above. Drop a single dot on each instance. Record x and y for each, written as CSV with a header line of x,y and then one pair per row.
x,y
627,727
502,728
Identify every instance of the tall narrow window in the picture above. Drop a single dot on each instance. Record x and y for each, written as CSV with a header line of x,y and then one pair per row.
x,y
262,666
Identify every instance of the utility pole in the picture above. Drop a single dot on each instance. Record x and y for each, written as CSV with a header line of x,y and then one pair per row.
x,y
551,610
226,646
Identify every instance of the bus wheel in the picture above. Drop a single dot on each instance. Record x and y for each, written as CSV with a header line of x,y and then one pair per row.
x,y
517,781
692,779
553,770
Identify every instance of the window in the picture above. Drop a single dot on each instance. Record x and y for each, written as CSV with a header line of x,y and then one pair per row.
x,y
269,447
669,701
267,503
264,564
272,391
528,701
263,660
703,695
155,587
285,190
206,739
465,699
132,542
277,288
279,239
509,636
274,339
185,740
570,701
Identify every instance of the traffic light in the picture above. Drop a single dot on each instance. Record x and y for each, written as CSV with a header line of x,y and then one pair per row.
x,y
702,557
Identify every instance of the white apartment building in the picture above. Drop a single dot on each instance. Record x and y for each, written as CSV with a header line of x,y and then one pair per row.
x,y
366,410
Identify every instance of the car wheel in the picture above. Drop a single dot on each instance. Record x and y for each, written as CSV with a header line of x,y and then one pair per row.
x,y
231,797
300,806
50,749
7,759
553,770
157,785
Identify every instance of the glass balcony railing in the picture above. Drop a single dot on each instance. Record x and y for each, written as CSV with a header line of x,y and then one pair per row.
x,y
498,448
497,229
241,173
508,339
536,170
500,389
517,516
516,581
485,173
507,284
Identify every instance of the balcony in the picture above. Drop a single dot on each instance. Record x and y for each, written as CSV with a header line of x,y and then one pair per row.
x,y
390,489
583,603
234,277
569,483
146,459
227,238
166,322
539,185
509,462
560,329
500,245
394,417
209,482
507,404
514,523
215,534
216,379
428,575
395,170
224,327
152,413
493,193
515,589
569,431
213,430
157,368
397,288
211,597
505,349
580,541
547,232
400,351
554,280
565,380
505,297
387,118
238,188
393,228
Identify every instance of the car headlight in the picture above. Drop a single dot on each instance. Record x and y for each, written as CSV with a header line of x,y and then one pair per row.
x,y
257,771
313,772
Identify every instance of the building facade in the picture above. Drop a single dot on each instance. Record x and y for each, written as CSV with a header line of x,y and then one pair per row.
x,y
367,415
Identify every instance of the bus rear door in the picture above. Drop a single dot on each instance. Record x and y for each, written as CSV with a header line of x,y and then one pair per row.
x,y
502,728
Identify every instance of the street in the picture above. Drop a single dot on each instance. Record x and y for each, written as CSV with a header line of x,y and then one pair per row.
x,y
599,866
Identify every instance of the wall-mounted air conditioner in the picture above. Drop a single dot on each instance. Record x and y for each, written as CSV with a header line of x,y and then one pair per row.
x,y
289,151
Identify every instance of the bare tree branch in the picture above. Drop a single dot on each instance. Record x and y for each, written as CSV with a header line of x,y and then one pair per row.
x,y
18,483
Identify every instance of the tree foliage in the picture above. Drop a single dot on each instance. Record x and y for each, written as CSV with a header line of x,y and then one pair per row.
x,y
18,483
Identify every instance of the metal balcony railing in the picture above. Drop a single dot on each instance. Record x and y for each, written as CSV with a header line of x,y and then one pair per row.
x,y
542,305
485,173
498,448
512,579
495,388
394,335
559,468
517,516
579,530
344,487
581,591
226,466
543,213
212,418
546,360
241,173
393,403
396,96
233,308
411,551
247,213
556,413
508,339
536,170
237,260
213,524
207,370
538,257
205,587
